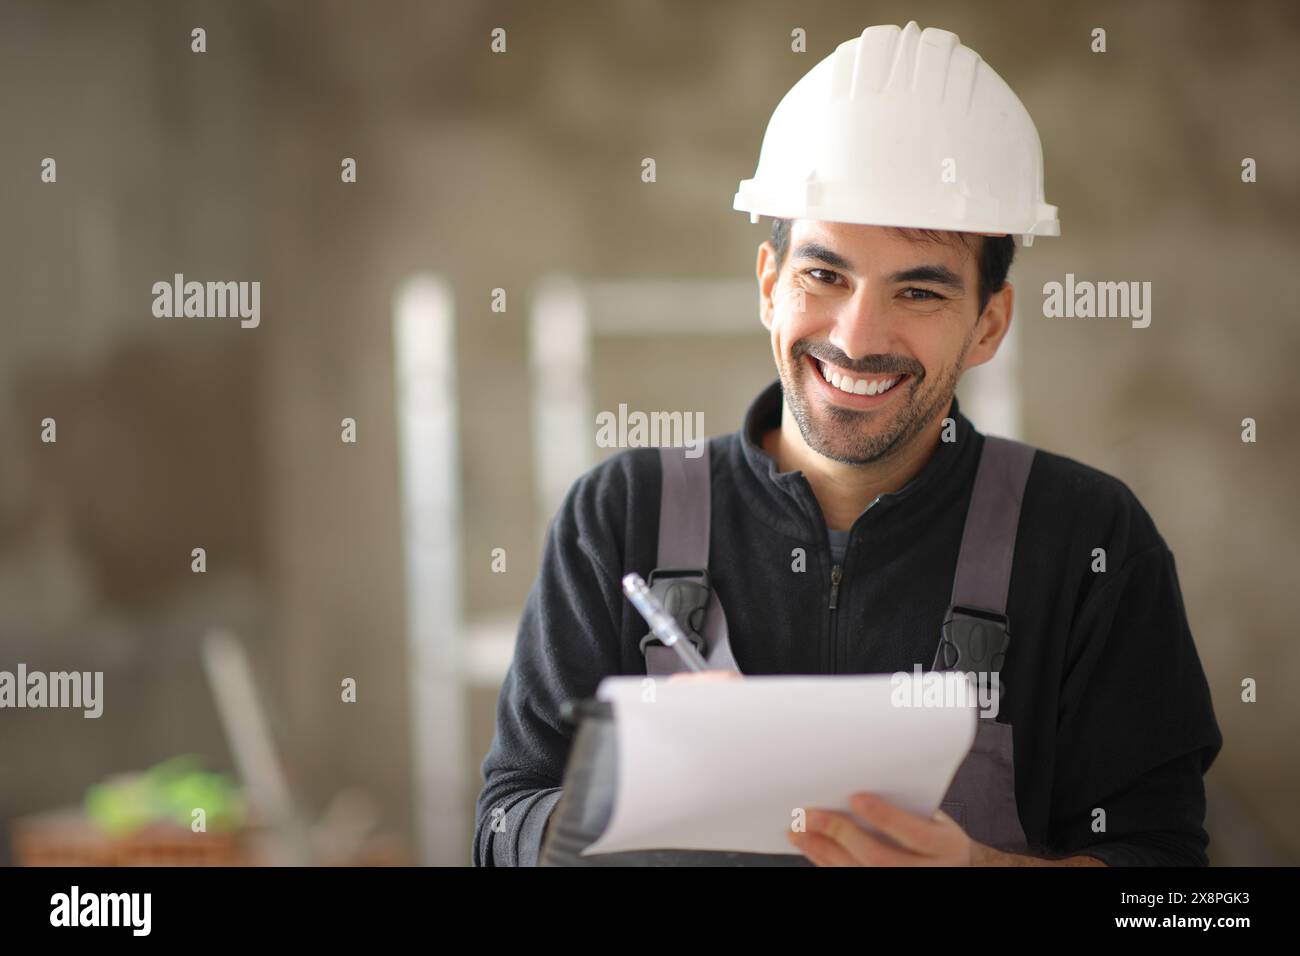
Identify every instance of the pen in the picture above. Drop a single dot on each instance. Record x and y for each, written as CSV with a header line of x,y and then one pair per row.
x,y
662,624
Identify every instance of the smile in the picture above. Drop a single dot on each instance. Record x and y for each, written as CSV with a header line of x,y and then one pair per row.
x,y
866,389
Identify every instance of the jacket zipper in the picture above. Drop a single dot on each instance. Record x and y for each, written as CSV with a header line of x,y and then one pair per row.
x,y
837,575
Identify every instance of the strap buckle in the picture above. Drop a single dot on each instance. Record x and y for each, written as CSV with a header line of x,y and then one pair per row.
x,y
684,593
973,640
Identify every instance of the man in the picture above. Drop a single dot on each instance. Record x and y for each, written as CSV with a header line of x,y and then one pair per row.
x,y
884,280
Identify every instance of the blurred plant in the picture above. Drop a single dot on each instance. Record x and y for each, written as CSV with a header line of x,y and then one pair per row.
x,y
167,792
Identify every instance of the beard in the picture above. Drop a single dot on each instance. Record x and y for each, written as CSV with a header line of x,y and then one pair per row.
x,y
857,437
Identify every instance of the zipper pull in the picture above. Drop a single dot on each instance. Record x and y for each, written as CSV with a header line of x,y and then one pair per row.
x,y
836,573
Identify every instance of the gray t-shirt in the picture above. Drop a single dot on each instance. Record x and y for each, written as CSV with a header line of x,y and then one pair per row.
x,y
839,545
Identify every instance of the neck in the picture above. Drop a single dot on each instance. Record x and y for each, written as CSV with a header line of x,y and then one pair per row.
x,y
845,491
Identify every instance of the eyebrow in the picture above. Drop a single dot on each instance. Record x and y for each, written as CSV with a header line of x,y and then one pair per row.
x,y
936,274
815,250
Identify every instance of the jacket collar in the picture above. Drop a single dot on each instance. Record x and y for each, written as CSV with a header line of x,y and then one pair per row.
x,y
785,499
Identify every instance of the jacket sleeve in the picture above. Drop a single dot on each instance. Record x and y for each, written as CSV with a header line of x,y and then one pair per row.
x,y
1136,729
567,641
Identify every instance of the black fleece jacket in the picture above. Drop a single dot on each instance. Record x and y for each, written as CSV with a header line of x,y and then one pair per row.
x,y
1105,692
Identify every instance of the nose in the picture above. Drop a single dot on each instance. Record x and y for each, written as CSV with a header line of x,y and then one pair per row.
x,y
862,326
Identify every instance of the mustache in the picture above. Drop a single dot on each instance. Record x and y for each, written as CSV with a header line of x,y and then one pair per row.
x,y
885,364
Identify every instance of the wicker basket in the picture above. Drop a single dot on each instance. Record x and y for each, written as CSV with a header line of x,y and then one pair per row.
x,y
68,838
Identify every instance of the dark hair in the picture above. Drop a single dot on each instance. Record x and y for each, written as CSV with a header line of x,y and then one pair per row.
x,y
994,257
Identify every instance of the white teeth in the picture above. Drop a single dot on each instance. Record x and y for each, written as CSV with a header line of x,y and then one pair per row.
x,y
852,386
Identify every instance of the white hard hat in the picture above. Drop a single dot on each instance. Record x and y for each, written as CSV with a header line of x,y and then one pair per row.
x,y
903,128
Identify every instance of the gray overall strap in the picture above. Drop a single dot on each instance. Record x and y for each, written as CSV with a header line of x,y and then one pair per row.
x,y
975,637
684,508
988,541
684,512
976,632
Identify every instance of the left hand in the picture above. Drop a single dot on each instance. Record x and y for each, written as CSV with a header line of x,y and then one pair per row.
x,y
835,839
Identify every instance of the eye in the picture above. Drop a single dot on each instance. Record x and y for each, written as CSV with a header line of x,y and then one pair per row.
x,y
924,295
834,276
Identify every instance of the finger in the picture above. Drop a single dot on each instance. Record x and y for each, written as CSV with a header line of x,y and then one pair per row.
x,y
907,829
947,821
822,851
864,847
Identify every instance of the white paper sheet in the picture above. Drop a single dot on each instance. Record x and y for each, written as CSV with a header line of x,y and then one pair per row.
x,y
723,765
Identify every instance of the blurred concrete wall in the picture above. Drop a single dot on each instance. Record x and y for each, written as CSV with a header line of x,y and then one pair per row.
x,y
495,171
159,426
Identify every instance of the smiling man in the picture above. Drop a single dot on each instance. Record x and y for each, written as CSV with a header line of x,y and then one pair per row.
x,y
859,523
871,330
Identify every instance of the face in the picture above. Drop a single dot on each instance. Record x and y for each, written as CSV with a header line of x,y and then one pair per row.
x,y
871,331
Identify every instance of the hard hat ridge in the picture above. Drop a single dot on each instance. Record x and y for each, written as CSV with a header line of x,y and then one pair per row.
x,y
903,127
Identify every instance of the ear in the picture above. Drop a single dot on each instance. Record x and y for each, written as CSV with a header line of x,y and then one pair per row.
x,y
991,327
766,272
